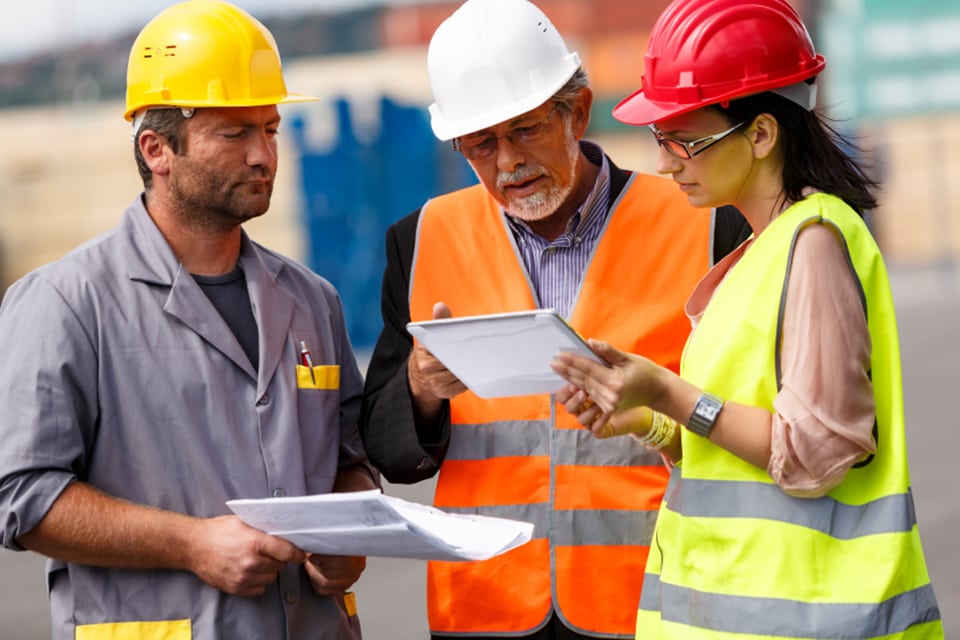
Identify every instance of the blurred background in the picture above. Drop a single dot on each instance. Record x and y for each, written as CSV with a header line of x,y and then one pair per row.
x,y
364,155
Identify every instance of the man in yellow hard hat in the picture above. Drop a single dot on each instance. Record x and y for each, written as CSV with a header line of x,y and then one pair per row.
x,y
553,223
159,370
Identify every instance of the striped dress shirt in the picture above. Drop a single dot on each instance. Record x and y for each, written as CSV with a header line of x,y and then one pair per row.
x,y
555,269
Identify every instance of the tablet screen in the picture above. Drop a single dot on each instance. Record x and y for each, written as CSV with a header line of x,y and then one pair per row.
x,y
504,354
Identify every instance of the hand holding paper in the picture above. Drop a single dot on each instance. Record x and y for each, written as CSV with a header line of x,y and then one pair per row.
x,y
369,523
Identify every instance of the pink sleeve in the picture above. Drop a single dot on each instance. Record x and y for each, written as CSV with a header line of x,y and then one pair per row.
x,y
824,413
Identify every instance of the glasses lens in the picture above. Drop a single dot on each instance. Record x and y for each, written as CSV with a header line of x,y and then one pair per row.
x,y
675,148
484,147
477,147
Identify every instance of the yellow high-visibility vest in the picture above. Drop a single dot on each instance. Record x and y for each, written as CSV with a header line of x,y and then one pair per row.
x,y
736,557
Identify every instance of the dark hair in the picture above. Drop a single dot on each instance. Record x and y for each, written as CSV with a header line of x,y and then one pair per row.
x,y
166,122
815,153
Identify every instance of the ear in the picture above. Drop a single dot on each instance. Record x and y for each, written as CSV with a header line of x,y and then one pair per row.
x,y
153,148
764,134
580,115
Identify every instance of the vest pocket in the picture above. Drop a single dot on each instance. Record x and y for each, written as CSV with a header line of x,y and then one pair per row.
x,y
157,630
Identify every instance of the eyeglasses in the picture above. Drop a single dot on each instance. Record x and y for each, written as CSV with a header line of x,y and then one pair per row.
x,y
687,150
483,146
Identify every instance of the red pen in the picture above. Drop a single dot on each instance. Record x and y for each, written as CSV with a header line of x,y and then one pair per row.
x,y
307,361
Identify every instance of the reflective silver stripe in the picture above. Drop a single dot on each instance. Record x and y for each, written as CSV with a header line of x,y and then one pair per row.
x,y
603,527
579,446
788,618
575,527
499,439
530,438
730,499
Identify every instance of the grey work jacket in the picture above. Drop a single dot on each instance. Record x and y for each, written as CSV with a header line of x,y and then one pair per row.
x,y
119,372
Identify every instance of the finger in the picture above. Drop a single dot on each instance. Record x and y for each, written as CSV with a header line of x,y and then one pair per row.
x,y
280,550
578,371
318,579
575,402
586,407
426,362
595,380
452,389
337,565
606,351
428,365
563,367
334,574
590,417
601,425
566,393
441,311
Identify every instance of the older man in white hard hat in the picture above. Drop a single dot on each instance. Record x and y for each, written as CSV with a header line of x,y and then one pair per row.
x,y
554,223
155,373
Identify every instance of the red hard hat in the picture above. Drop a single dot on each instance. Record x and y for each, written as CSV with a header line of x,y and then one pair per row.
x,y
703,52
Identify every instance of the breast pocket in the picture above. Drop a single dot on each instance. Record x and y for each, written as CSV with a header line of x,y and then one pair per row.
x,y
324,377
318,403
162,630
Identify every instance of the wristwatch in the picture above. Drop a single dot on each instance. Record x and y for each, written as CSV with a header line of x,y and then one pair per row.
x,y
704,414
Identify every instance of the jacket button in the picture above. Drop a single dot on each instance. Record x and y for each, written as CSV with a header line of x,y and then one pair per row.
x,y
279,493
290,595
263,400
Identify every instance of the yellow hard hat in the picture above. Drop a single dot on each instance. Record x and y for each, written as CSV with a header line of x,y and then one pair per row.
x,y
205,53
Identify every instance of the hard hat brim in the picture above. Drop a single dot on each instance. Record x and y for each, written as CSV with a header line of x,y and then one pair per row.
x,y
639,109
193,104
449,128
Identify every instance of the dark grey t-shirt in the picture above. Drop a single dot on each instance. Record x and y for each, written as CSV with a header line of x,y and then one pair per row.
x,y
229,295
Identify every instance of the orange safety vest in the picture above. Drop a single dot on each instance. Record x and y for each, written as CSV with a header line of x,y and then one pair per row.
x,y
593,502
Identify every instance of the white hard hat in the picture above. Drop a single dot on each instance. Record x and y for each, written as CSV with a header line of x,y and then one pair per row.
x,y
493,60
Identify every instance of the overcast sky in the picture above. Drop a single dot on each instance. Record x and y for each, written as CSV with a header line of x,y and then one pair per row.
x,y
27,26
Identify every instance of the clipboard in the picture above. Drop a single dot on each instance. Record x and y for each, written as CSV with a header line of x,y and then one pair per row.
x,y
504,354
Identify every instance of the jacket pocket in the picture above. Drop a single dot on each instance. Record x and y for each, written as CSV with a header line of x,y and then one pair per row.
x,y
326,377
159,630
353,620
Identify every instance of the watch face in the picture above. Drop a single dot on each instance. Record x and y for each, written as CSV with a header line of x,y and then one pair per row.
x,y
708,411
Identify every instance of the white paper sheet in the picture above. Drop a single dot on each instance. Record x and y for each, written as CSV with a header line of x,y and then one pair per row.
x,y
502,354
369,523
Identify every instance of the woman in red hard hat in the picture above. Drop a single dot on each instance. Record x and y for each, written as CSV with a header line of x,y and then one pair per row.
x,y
789,513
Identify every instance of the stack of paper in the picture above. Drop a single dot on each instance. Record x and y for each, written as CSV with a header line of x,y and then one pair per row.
x,y
369,523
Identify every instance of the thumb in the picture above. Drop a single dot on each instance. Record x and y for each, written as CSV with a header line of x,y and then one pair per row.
x,y
441,311
281,550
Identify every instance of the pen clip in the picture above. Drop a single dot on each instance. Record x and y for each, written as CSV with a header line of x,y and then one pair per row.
x,y
307,361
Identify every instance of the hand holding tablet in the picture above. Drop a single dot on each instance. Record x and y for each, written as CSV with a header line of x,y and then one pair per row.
x,y
503,354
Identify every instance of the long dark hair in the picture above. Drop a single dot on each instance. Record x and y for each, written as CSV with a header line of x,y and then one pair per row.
x,y
815,153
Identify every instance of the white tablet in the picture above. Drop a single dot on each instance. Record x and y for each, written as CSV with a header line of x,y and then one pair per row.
x,y
503,354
